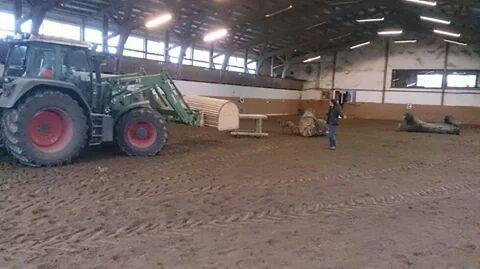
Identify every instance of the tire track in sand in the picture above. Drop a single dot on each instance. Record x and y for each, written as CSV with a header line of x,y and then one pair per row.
x,y
74,240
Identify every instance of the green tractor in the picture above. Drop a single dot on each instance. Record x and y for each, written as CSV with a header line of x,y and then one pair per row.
x,y
54,101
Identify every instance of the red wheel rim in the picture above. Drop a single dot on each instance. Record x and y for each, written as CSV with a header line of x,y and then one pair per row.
x,y
50,130
142,134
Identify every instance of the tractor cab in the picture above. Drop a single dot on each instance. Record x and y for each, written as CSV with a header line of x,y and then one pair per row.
x,y
47,59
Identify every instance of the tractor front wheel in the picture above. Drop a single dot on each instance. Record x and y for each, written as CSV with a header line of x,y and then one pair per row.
x,y
48,128
141,132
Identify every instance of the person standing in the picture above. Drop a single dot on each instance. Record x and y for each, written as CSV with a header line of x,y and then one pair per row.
x,y
334,115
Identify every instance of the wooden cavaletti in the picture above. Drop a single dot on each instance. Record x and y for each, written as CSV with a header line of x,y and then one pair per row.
x,y
218,113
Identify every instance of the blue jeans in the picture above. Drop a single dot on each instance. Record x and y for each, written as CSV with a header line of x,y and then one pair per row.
x,y
332,135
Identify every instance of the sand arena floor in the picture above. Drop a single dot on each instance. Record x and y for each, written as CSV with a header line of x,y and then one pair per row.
x,y
383,200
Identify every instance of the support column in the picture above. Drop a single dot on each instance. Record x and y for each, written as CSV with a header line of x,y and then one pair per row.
x,y
38,14
18,16
82,30
191,52
122,40
445,72
385,70
38,11
124,33
245,64
319,72
145,46
167,47
260,62
181,57
226,60
272,67
286,66
210,59
334,69
105,34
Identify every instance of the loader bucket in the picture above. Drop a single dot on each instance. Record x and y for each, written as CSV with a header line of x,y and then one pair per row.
x,y
217,113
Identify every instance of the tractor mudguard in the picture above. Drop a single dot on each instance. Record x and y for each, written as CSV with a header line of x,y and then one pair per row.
x,y
124,109
15,90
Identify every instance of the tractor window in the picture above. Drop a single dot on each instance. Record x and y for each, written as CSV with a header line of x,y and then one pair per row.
x,y
3,52
3,56
75,67
42,63
76,59
16,61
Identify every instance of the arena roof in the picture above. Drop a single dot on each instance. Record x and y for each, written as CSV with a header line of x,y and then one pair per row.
x,y
282,27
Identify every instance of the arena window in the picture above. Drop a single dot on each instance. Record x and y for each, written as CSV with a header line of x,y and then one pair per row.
x,y
433,79
463,79
417,78
135,47
155,50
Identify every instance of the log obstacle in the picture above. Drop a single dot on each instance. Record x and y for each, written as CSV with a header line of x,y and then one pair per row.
x,y
258,131
217,113
413,124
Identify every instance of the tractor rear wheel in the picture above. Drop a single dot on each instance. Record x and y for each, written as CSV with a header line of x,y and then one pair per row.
x,y
141,132
48,128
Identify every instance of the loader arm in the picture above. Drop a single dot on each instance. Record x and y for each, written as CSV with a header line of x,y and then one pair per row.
x,y
159,90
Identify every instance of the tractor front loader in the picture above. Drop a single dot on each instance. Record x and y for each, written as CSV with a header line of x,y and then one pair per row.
x,y
54,101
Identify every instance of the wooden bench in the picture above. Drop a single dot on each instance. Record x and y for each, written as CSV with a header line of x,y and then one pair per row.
x,y
258,132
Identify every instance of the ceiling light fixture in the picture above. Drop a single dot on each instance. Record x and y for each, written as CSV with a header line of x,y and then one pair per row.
x,y
411,85
425,18
337,3
339,37
315,25
360,45
159,20
405,41
278,12
370,20
312,59
215,35
455,42
441,32
391,32
423,2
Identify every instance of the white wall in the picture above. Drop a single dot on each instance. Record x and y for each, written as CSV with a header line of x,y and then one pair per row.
x,y
326,72
311,94
425,54
302,72
463,57
363,71
225,90
362,68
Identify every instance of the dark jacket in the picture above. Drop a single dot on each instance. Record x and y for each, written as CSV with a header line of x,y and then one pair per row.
x,y
334,114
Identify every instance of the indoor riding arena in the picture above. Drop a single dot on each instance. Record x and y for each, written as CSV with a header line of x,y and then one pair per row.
x,y
239,134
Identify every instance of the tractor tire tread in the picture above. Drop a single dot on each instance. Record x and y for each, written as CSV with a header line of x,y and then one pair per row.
x,y
139,112
11,129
